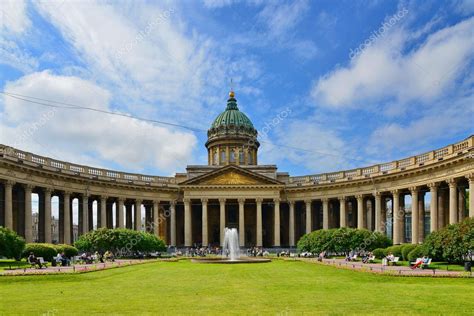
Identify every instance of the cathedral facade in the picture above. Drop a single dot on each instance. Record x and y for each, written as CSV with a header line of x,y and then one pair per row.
x,y
269,208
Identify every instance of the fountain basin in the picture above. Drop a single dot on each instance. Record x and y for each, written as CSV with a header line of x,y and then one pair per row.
x,y
229,261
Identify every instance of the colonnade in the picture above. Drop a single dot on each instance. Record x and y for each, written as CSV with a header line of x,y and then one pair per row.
x,y
266,221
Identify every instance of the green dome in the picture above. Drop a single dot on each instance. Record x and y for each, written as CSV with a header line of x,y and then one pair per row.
x,y
232,116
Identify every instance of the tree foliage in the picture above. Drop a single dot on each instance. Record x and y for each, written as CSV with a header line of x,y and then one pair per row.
x,y
342,240
11,245
119,241
454,243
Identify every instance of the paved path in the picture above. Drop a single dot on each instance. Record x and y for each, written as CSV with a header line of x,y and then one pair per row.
x,y
77,268
393,270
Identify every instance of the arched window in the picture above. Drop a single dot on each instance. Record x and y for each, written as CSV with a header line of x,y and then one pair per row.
x,y
250,158
241,157
223,159
214,159
232,155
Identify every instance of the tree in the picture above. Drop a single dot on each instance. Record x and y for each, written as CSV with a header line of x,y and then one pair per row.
x,y
454,243
11,245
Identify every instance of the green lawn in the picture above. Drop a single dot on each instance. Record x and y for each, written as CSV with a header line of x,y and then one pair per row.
x,y
280,287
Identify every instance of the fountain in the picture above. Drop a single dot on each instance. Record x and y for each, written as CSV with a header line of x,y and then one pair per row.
x,y
231,251
231,248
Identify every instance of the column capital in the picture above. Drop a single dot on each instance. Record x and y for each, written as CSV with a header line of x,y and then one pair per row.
x,y
308,201
470,177
204,200
433,185
138,201
222,200
241,200
186,200
48,190
413,190
342,198
359,196
173,203
324,199
28,186
395,191
452,183
9,183
156,202
377,193
85,195
121,199
276,200
104,197
259,200
290,202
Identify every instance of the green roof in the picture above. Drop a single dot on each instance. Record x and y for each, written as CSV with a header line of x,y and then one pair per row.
x,y
232,116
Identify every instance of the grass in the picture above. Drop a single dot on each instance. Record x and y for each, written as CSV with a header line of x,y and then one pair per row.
x,y
279,287
8,263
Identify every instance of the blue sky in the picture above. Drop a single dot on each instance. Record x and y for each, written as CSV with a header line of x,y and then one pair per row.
x,y
363,81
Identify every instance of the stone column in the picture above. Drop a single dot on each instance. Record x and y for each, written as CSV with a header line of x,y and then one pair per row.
x,y
360,211
138,215
205,232
342,212
222,220
103,211
120,213
242,222
414,215
9,204
471,195
47,216
259,222
461,204
396,217
308,216
173,223
67,217
325,213
276,229
421,217
28,215
292,223
156,218
378,212
188,235
441,208
453,201
433,206
85,213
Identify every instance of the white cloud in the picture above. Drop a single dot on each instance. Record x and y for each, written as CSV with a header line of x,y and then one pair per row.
x,y
13,16
323,150
14,56
87,137
281,18
383,72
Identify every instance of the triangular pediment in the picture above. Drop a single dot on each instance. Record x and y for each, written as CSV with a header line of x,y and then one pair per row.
x,y
232,175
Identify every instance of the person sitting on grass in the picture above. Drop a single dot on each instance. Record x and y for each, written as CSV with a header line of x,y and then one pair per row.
x,y
419,262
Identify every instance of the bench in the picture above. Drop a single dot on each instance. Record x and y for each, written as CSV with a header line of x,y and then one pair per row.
x,y
35,264
424,265
371,259
394,261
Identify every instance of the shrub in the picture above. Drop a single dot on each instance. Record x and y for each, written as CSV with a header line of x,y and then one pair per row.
x,y
417,252
119,241
453,243
380,253
406,249
11,245
69,251
395,250
47,251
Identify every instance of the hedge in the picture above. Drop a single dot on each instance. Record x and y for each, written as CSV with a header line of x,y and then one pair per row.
x,y
395,250
342,240
46,251
417,252
121,242
11,245
68,250
380,253
406,249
